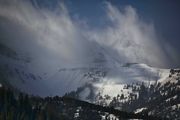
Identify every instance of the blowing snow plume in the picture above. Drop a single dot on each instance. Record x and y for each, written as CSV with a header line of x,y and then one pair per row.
x,y
45,34
50,38
133,39
53,39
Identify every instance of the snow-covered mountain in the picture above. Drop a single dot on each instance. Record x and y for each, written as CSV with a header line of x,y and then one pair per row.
x,y
104,73
103,80
159,97
111,81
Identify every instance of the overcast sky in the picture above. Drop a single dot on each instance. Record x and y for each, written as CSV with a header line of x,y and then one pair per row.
x,y
58,33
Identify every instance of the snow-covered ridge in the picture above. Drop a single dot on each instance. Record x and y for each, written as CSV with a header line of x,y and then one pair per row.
x,y
104,74
125,79
105,77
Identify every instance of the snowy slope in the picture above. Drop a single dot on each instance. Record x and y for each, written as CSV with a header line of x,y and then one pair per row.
x,y
163,99
112,81
170,76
